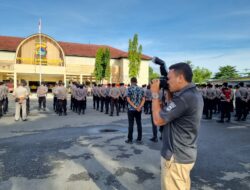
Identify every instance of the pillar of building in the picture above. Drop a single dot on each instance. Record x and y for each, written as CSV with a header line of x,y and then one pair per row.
x,y
80,78
64,79
15,80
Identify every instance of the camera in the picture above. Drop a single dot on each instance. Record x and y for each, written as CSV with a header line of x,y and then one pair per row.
x,y
163,78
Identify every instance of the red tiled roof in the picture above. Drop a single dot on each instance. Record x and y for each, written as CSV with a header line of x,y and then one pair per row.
x,y
8,43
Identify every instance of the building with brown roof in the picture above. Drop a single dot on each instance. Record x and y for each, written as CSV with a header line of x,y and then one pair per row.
x,y
41,58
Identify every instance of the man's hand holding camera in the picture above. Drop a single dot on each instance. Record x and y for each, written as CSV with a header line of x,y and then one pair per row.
x,y
155,86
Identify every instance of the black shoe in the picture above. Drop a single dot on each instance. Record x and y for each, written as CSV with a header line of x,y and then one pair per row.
x,y
154,139
117,114
237,120
65,113
111,115
228,121
128,141
139,141
25,119
243,119
220,121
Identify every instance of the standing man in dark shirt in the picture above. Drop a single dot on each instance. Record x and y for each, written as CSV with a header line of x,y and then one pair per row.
x,y
181,120
136,99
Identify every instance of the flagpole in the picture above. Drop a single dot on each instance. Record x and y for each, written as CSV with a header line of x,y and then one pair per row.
x,y
40,41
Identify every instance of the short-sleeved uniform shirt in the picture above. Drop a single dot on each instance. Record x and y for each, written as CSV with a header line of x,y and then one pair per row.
x,y
114,92
183,115
136,95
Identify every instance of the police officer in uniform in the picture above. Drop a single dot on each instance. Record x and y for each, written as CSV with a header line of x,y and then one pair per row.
x,y
1,98
204,96
54,92
5,99
94,96
210,98
61,95
107,99
114,95
237,101
103,96
122,98
27,98
217,99
79,95
85,93
248,98
20,94
41,94
243,102
225,103
98,96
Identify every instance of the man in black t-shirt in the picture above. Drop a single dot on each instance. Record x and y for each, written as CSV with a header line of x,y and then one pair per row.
x,y
181,120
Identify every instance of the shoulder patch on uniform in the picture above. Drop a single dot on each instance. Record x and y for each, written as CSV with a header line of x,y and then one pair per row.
x,y
170,106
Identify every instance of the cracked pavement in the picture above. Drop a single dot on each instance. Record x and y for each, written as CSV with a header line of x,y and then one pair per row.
x,y
88,152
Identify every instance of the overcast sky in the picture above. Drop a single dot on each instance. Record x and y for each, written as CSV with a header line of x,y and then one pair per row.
x,y
210,33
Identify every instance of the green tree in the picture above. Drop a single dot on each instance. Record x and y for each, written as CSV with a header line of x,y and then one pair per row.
x,y
200,75
226,72
134,56
152,75
106,60
98,65
102,64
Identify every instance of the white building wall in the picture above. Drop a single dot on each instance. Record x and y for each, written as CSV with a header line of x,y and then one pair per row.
x,y
10,56
143,74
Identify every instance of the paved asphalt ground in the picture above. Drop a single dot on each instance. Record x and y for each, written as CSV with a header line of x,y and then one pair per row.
x,y
87,152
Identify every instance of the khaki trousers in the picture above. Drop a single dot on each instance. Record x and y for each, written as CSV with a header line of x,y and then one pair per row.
x,y
18,109
175,176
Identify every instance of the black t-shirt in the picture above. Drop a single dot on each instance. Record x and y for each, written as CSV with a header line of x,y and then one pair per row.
x,y
183,115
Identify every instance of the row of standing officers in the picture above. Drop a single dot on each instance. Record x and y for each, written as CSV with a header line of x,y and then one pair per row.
x,y
224,100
